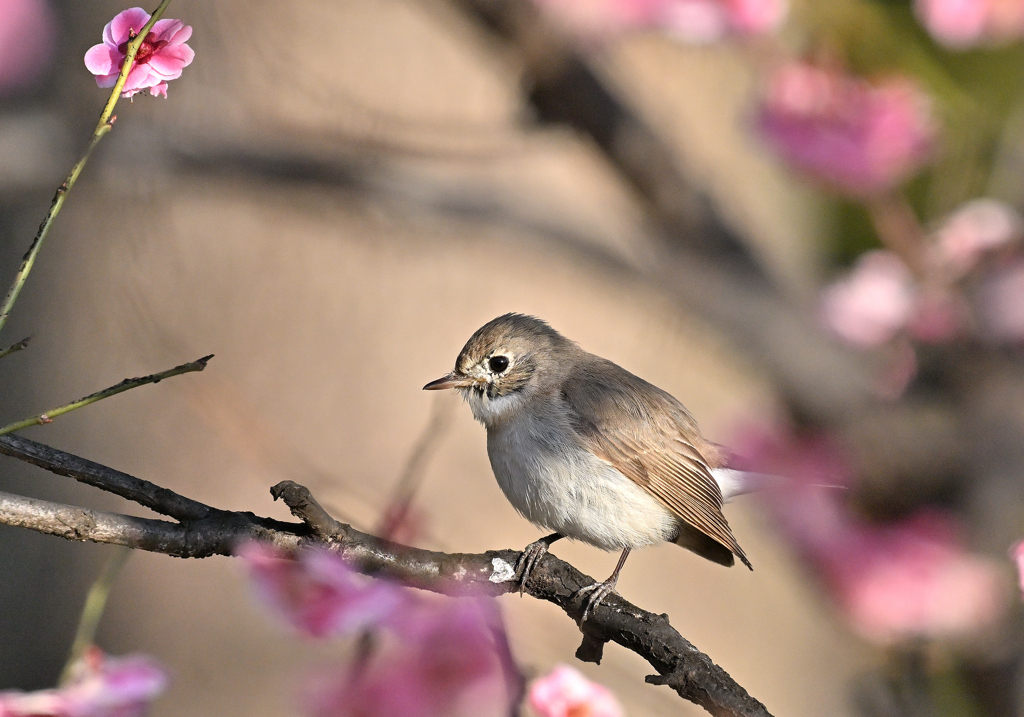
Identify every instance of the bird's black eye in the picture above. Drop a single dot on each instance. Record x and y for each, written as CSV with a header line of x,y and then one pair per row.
x,y
498,364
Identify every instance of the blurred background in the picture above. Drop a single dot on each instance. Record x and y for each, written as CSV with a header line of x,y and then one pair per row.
x,y
799,220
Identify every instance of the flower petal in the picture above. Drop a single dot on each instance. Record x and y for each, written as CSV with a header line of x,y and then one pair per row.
x,y
170,61
166,29
125,21
107,80
139,78
318,593
180,36
103,60
565,691
101,687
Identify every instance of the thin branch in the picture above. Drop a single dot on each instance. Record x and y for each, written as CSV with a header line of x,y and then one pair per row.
x,y
92,612
214,535
900,231
397,509
216,532
15,347
127,384
105,124
150,495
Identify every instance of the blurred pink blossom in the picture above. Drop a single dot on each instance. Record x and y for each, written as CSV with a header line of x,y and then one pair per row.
x,y
871,303
908,579
317,592
897,372
939,316
1017,553
755,17
161,57
1001,304
695,21
860,138
450,647
101,687
27,39
445,665
976,228
564,692
960,24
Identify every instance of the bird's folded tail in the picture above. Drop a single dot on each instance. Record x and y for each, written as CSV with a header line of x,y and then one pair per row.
x,y
704,545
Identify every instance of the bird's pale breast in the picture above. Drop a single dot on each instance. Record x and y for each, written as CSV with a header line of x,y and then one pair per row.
x,y
556,483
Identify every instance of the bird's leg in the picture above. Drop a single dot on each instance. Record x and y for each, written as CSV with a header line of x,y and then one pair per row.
x,y
603,590
531,554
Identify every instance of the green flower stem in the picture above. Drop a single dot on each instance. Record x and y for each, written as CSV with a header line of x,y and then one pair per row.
x,y
106,122
127,384
95,603
16,347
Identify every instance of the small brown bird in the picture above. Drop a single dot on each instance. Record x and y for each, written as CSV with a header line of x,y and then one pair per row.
x,y
584,448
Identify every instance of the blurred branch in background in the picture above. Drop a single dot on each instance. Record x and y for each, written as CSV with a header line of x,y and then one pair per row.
x,y
400,522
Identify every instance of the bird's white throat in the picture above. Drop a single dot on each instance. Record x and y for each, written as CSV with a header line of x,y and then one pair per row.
x,y
491,411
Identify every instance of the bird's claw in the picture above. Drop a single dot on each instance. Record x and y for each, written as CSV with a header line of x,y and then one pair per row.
x,y
600,592
531,554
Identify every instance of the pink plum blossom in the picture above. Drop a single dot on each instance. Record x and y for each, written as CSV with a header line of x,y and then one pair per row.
x,y
450,648
939,315
27,39
445,664
161,58
695,21
317,592
872,303
564,692
975,229
908,579
101,687
961,24
858,137
1017,553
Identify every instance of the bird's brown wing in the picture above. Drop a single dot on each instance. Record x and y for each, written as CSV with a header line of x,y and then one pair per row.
x,y
649,437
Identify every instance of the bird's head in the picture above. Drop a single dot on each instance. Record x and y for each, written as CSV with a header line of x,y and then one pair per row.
x,y
504,363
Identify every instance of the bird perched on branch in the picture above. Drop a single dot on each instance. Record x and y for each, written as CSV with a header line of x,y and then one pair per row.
x,y
582,447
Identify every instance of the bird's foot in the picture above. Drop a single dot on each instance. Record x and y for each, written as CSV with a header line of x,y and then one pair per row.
x,y
531,554
599,591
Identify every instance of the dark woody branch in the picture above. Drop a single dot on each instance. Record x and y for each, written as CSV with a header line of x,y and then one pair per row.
x,y
204,531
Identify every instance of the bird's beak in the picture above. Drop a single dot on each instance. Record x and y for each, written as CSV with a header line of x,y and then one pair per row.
x,y
452,380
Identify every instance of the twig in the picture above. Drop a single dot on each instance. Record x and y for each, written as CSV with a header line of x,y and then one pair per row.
x,y
149,495
127,384
95,603
217,532
215,535
302,503
15,347
396,512
105,124
900,231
